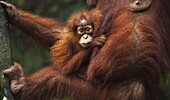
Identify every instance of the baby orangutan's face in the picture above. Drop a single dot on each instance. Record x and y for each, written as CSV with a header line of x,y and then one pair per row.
x,y
85,30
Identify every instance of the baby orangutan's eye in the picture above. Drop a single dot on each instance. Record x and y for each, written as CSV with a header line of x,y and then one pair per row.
x,y
80,30
89,29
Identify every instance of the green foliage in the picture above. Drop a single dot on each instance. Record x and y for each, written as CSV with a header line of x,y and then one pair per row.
x,y
19,2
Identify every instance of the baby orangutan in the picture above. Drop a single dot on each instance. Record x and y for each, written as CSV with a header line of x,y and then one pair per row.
x,y
77,41
70,51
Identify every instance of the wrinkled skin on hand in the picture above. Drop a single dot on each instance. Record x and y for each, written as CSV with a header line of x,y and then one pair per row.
x,y
15,74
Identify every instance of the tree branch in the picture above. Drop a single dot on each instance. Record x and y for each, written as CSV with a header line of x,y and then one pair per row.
x,y
5,55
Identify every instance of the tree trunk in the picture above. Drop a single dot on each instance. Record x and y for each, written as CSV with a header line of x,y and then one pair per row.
x,y
5,55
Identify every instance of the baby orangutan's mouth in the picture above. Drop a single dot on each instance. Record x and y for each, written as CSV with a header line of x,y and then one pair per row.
x,y
85,45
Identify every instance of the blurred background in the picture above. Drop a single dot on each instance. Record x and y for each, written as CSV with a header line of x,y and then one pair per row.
x,y
31,55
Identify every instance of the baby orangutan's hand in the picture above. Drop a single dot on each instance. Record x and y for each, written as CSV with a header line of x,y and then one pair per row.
x,y
99,41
